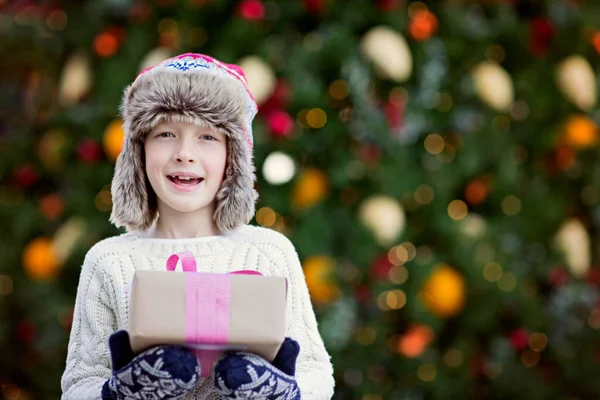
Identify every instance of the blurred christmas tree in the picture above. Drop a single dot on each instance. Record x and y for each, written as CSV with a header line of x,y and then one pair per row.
x,y
435,165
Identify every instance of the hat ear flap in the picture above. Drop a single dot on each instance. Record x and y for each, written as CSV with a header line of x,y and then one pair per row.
x,y
236,197
131,206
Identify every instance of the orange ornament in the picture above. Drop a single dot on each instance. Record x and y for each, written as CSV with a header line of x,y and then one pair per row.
x,y
416,339
423,24
51,206
311,187
39,259
113,139
596,41
444,292
580,132
317,272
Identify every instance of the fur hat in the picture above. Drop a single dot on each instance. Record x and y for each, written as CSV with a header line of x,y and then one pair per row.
x,y
192,88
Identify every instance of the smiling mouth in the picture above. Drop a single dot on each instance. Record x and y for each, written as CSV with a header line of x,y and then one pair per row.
x,y
191,181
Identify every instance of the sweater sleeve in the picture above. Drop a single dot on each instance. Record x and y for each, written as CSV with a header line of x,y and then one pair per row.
x,y
314,371
88,357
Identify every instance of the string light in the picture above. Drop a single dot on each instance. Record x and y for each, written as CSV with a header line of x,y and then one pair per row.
x,y
530,358
316,118
424,194
410,249
427,372
538,341
507,282
434,143
492,271
457,210
6,285
511,205
454,358
398,255
398,274
266,217
365,335
339,89
57,20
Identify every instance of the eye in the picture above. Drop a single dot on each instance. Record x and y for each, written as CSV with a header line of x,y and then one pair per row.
x,y
164,133
208,137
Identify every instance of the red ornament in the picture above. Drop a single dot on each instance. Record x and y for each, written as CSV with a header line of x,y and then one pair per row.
x,y
281,124
140,12
25,176
423,25
26,332
541,35
477,365
89,151
279,100
370,154
477,191
380,269
389,5
558,276
593,276
252,10
394,112
362,294
519,339
314,6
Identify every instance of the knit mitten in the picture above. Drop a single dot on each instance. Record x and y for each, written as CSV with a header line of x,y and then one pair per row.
x,y
161,372
242,375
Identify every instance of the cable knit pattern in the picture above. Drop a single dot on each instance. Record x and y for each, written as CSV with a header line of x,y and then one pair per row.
x,y
101,305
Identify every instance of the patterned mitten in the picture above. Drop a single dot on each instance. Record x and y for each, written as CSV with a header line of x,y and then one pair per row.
x,y
161,372
242,375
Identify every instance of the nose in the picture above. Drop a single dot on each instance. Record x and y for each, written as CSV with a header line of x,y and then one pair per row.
x,y
184,152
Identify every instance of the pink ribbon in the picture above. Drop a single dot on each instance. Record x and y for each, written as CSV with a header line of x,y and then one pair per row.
x,y
207,309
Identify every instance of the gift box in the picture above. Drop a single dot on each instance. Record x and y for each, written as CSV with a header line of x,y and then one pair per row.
x,y
207,312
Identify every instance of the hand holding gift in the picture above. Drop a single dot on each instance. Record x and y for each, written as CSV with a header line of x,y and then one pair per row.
x,y
243,375
175,371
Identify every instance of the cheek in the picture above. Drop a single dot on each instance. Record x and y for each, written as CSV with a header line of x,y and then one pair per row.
x,y
155,157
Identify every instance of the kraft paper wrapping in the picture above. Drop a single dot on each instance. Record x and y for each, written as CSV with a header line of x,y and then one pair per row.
x,y
157,312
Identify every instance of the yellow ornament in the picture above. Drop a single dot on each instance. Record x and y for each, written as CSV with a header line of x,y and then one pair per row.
x,y
51,149
580,132
40,260
310,188
444,292
113,139
317,272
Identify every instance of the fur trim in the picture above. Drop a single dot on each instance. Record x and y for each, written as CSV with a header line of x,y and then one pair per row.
x,y
207,99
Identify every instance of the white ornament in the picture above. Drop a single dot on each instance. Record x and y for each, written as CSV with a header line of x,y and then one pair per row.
x,y
65,239
573,241
261,78
388,50
384,216
473,225
575,78
493,85
154,57
75,80
278,168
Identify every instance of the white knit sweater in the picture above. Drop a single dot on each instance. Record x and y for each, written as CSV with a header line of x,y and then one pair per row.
x,y
101,305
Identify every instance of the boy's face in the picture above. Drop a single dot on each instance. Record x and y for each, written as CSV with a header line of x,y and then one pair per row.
x,y
177,148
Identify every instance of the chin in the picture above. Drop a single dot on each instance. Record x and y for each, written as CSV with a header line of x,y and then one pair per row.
x,y
187,208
